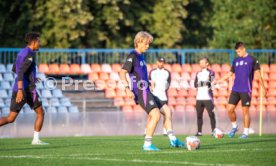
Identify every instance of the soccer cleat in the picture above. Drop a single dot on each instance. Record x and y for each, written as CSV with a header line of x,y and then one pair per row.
x,y
176,143
150,148
39,142
233,132
198,134
243,136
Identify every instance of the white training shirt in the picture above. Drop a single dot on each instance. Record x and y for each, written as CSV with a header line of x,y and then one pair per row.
x,y
203,84
161,79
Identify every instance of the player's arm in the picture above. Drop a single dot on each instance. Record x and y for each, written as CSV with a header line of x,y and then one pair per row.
x,y
127,67
257,68
20,74
196,81
227,76
169,80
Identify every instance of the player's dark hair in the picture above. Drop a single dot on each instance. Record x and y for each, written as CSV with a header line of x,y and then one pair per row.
x,y
31,36
207,59
239,44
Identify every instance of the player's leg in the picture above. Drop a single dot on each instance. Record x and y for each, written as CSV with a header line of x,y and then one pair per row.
x,y
167,113
233,101
8,119
164,129
246,100
209,105
199,111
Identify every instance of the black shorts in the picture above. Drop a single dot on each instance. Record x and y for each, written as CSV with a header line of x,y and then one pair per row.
x,y
160,103
147,102
30,97
201,104
245,98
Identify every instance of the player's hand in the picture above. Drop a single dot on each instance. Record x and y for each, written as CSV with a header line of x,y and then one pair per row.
x,y
37,80
129,93
19,96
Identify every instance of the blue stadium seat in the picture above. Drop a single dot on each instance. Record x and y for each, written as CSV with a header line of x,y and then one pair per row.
x,y
2,68
5,110
65,102
3,93
54,102
2,103
41,76
46,93
9,67
39,86
45,102
57,93
8,77
73,109
51,109
62,109
1,78
5,85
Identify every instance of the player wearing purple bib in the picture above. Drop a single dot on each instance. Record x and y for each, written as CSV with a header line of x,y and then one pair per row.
x,y
136,67
243,67
24,90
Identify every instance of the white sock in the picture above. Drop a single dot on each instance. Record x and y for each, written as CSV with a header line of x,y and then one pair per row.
x,y
148,141
164,131
246,131
36,135
234,124
171,135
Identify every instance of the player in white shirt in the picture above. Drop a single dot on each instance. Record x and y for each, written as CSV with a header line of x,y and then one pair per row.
x,y
204,97
160,79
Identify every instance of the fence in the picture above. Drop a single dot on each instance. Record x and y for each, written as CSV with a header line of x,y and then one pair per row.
x,y
110,56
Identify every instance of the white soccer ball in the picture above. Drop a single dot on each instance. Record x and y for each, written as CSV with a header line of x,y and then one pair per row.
x,y
218,133
192,143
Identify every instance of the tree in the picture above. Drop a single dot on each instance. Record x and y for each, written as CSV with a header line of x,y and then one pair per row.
x,y
252,22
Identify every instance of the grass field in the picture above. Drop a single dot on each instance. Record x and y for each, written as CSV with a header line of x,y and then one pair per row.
x,y
126,150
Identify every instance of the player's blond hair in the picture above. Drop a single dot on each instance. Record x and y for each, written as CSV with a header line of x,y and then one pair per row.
x,y
141,36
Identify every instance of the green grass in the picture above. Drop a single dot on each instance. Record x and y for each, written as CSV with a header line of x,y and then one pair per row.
x,y
126,150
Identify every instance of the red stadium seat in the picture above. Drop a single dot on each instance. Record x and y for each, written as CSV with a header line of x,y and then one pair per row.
x,y
96,68
216,68
183,93
93,76
196,68
111,84
75,69
168,67
138,108
127,108
272,84
171,101
54,69
120,93
270,108
116,67
119,101
225,68
272,68
175,76
172,92
252,108
180,101
110,93
104,76
272,76
176,68
43,68
179,108
114,76
192,92
186,68
190,108
106,68
265,68
129,102
185,76
64,69
191,101
85,68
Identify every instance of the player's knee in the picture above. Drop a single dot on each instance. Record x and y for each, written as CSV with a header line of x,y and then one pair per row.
x,y
10,119
167,113
155,115
40,111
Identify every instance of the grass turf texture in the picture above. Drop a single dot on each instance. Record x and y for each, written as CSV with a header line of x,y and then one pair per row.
x,y
127,150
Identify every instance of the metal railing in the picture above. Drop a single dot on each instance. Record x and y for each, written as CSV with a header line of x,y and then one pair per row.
x,y
111,56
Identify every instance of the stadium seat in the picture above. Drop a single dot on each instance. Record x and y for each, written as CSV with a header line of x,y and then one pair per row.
x,y
43,68
252,108
73,109
172,92
196,68
64,69
119,101
192,92
8,76
154,66
179,108
114,76
46,93
272,76
175,76
9,68
75,69
272,93
85,68
272,68
1,78
96,68
62,109
127,108
129,102
186,68
168,67
216,68
5,110
272,84
149,68
93,76
171,101
41,76
120,93
191,101
39,86
51,109
265,68
182,92
185,76
5,85
225,68
53,69
2,68
255,93
45,102
110,93
193,75
2,103
176,68
8,102
54,102
190,108
104,76
138,108
270,108
100,84
180,101
106,68
116,68
3,93
65,102
57,93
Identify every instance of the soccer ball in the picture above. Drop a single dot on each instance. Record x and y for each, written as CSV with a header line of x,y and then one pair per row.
x,y
192,143
218,133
